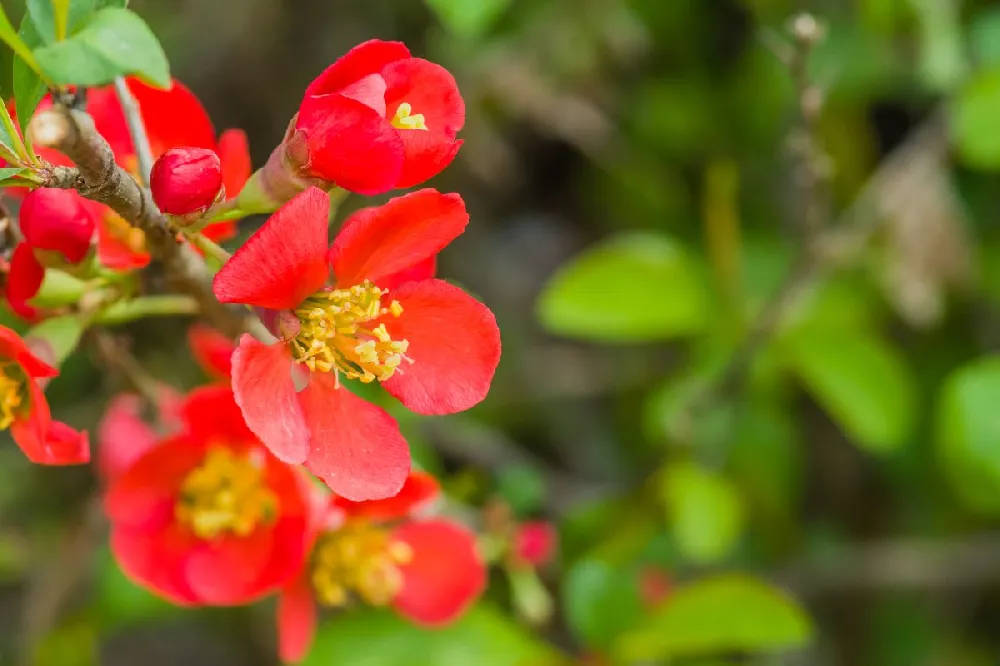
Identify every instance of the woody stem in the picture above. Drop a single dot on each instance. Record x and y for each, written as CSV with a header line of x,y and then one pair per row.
x,y
136,129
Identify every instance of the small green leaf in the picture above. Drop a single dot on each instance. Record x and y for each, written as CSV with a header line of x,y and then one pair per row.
x,y
630,288
114,42
975,120
14,40
62,334
860,380
468,20
29,88
482,636
9,173
600,601
523,488
58,289
56,19
968,433
721,614
704,510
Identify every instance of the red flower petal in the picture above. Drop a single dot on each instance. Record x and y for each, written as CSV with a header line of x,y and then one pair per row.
x,y
115,251
445,575
156,561
425,270
357,448
285,260
13,347
44,441
296,620
226,571
212,349
366,58
265,392
454,345
419,490
234,151
211,413
375,243
56,220
350,144
123,436
431,91
23,280
143,496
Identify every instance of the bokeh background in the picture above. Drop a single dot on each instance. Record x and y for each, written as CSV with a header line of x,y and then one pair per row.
x,y
641,185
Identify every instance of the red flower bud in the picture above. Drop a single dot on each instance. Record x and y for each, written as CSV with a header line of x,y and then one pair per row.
x,y
535,543
57,220
186,180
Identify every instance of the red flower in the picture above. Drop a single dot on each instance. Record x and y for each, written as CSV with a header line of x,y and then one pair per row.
x,y
209,516
186,180
124,436
534,543
373,552
375,120
24,410
432,346
213,351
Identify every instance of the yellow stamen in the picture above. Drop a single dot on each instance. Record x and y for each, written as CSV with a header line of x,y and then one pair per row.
x,y
404,120
118,228
333,337
359,560
13,391
226,495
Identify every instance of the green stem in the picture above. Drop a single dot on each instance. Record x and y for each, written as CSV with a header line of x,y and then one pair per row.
x,y
164,305
209,247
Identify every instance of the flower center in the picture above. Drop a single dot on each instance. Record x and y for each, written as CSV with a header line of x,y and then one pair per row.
x,y
359,560
334,336
13,391
226,495
118,228
404,120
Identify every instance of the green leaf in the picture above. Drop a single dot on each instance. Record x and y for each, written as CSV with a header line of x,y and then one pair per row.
x,y
58,289
630,288
984,37
29,88
56,19
860,380
968,433
725,613
62,334
975,119
9,173
482,637
114,42
468,20
600,601
14,40
704,510
522,487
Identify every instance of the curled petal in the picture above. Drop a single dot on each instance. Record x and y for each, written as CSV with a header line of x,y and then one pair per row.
x,y
212,349
284,261
14,348
357,448
376,243
24,280
265,392
445,575
454,343
44,441
366,58
419,490
350,144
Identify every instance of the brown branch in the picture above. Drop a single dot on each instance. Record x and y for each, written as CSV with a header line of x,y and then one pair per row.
x,y
98,177
136,129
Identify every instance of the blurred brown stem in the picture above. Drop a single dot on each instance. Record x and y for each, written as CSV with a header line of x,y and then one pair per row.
x,y
136,129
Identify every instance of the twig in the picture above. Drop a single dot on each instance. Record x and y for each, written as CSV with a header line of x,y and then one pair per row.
x,y
99,178
116,358
136,129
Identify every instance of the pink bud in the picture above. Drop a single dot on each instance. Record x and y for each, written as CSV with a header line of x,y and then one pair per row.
x,y
186,180
535,543
57,220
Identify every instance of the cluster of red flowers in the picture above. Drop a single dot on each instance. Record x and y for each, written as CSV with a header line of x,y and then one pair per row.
x,y
277,478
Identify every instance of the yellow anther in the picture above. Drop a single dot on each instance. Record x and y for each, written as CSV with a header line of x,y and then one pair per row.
x,y
334,337
404,120
226,495
117,227
359,560
13,391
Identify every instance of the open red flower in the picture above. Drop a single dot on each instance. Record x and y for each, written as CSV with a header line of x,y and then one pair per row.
x,y
430,344
25,411
209,516
376,553
124,436
374,120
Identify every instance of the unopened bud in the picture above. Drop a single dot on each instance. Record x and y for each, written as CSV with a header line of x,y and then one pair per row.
x,y
535,543
57,220
186,181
